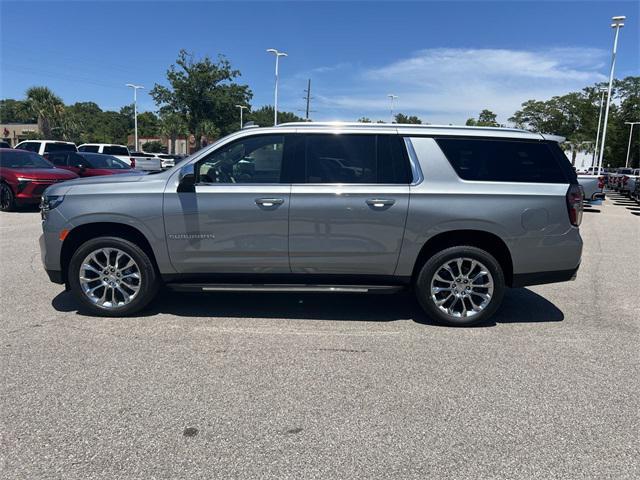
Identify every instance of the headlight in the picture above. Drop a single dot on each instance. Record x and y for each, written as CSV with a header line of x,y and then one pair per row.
x,y
23,182
48,203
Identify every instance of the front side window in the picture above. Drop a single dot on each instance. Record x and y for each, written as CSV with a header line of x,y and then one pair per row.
x,y
249,160
59,159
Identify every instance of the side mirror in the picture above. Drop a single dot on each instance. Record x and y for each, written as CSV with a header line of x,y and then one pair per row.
x,y
187,179
81,167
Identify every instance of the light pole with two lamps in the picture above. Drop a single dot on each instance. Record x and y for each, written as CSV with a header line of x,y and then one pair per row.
x,y
275,103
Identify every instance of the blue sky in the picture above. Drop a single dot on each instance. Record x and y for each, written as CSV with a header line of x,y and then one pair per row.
x,y
444,60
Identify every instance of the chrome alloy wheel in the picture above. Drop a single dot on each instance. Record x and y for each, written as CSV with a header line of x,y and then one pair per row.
x,y
110,278
462,287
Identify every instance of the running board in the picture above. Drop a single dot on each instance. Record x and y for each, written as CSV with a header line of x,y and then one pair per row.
x,y
226,287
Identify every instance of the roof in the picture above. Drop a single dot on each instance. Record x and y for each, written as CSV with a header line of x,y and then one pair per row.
x,y
418,129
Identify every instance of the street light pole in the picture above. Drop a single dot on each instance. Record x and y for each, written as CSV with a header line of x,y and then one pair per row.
x,y
631,124
241,107
595,148
275,103
393,98
135,110
618,23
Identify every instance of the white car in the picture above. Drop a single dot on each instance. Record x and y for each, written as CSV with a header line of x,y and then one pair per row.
x,y
166,160
122,152
44,147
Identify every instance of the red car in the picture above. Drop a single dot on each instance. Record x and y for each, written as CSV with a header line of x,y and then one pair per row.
x,y
23,177
88,164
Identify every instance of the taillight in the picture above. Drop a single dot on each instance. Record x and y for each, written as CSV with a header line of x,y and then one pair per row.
x,y
625,179
575,197
600,182
133,162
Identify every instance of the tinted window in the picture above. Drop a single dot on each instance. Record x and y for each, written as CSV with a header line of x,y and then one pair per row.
x,y
22,159
77,160
89,148
99,160
59,147
29,146
393,161
115,150
250,160
341,159
59,159
503,160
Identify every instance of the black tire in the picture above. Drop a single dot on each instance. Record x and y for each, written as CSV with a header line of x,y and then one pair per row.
x,y
7,198
149,281
431,267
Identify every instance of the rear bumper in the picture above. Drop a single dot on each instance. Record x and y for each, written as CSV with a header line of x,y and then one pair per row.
x,y
540,278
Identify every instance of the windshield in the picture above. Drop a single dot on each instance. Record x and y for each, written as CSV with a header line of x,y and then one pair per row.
x,y
22,159
98,160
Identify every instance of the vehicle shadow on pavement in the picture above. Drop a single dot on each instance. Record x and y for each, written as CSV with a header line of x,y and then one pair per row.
x,y
520,305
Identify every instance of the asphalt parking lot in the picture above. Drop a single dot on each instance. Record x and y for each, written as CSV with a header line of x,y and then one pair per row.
x,y
320,386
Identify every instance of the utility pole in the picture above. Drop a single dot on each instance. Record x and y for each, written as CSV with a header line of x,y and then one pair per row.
x,y
308,99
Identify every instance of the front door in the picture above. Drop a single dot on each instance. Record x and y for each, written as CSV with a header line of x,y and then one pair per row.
x,y
236,221
348,215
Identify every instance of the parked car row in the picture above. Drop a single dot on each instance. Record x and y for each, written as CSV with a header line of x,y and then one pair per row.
x,y
624,180
138,160
24,175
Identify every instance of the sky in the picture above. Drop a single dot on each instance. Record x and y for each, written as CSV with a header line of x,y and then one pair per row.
x,y
445,61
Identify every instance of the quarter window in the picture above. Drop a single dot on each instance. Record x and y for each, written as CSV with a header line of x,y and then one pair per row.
x,y
502,160
250,160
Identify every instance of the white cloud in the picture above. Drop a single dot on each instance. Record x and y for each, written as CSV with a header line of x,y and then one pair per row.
x,y
446,85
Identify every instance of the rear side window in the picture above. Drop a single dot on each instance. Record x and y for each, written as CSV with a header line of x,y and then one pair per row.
x,y
341,159
89,148
59,147
115,150
503,160
356,159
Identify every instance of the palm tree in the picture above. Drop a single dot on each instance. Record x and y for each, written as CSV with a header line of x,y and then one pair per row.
x,y
172,125
46,106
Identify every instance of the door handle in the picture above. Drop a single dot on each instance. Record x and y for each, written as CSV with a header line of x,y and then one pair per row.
x,y
380,202
269,202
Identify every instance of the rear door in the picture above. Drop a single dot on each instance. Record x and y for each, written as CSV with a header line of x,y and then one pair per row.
x,y
237,219
348,210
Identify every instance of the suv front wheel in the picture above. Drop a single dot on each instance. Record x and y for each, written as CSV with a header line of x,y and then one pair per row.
x,y
113,277
460,286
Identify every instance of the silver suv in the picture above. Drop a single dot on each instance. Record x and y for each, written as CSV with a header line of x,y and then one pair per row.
x,y
457,214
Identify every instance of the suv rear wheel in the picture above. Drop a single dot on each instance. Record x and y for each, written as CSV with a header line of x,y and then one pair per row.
x,y
112,277
460,286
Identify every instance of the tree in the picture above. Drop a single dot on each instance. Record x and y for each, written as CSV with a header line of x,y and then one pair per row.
x,y
402,118
148,124
172,126
364,120
201,90
263,116
152,147
15,111
46,106
486,118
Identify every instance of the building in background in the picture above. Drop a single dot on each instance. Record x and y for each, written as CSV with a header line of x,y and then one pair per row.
x,y
14,133
181,146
